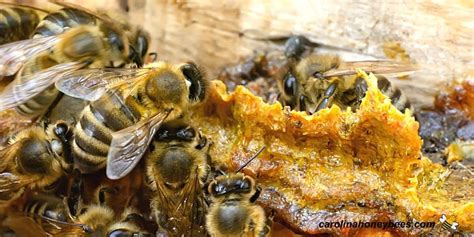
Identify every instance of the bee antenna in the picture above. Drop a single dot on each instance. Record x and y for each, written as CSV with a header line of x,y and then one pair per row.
x,y
251,159
154,55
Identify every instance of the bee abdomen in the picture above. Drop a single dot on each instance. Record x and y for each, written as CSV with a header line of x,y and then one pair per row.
x,y
399,100
17,24
86,162
93,133
38,104
89,150
46,207
57,22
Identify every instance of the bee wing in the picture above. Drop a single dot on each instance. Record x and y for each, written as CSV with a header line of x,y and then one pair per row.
x,y
9,185
374,66
90,84
52,227
128,145
7,155
14,55
19,91
193,200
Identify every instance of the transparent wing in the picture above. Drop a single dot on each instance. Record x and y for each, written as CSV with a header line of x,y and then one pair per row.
x,y
9,185
14,55
91,84
51,226
7,155
374,66
129,144
19,91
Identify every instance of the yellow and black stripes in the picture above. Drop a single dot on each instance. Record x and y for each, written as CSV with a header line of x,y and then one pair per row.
x,y
399,100
17,23
93,133
59,21
46,206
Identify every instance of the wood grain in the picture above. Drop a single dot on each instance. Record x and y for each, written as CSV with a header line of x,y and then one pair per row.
x,y
438,36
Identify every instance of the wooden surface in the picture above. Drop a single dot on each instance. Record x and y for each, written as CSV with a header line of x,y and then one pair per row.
x,y
438,36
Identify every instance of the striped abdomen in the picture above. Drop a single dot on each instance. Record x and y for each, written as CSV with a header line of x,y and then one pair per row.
x,y
46,206
399,100
61,20
41,102
93,132
17,23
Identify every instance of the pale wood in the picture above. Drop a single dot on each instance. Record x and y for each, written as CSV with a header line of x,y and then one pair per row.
x,y
438,36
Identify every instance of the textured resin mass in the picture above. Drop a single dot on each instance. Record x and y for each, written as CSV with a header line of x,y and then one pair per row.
x,y
333,165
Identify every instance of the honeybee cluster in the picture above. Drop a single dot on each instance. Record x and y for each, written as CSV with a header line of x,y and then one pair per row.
x,y
98,109
109,152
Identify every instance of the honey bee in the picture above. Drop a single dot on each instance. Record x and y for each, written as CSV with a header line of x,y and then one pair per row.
x,y
314,82
233,211
59,45
177,166
19,21
35,158
102,222
127,107
47,213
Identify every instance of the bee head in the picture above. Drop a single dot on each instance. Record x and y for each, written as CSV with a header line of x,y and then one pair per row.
x,y
126,233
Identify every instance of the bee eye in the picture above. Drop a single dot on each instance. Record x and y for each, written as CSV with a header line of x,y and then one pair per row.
x,y
246,184
61,129
193,75
120,233
142,44
217,189
289,84
115,40
318,75
188,133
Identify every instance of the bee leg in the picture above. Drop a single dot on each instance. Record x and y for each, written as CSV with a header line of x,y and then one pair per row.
x,y
328,97
268,226
75,193
154,56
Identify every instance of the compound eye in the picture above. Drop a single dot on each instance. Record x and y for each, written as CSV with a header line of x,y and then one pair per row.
x,y
245,185
115,40
193,75
187,133
61,129
289,84
215,189
120,233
